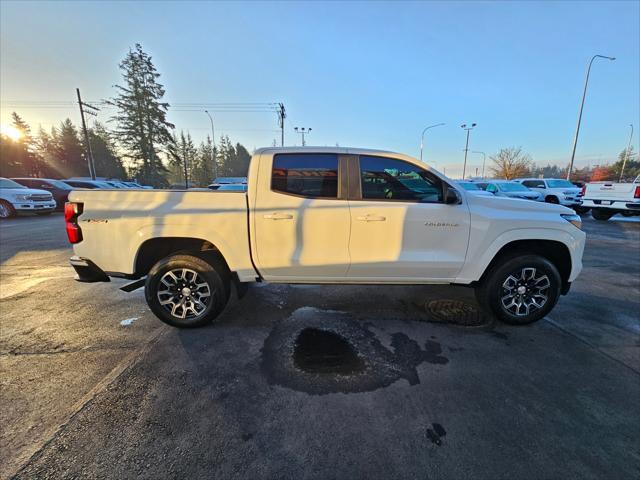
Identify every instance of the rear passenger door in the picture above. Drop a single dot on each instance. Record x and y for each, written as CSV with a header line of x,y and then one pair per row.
x,y
301,219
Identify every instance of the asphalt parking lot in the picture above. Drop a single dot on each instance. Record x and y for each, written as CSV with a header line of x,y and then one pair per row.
x,y
94,386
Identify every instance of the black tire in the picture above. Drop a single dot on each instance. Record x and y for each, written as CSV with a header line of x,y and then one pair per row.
x,y
552,199
6,210
581,210
209,269
43,214
601,214
491,290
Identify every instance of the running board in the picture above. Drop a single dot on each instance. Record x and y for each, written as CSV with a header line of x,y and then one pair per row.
x,y
130,287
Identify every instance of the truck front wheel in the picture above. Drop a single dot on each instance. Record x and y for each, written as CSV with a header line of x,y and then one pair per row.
x,y
187,290
520,290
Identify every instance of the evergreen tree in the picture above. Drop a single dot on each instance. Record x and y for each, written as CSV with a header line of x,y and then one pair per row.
x,y
182,157
242,160
225,154
143,129
631,167
203,169
18,157
69,151
107,162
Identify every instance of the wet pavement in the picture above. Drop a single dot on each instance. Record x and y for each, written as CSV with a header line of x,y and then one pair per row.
x,y
316,381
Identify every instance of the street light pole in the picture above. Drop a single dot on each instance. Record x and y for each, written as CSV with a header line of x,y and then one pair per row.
x,y
422,136
466,148
484,159
213,149
584,94
627,153
302,131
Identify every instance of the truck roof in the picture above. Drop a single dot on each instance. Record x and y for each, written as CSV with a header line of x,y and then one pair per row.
x,y
338,150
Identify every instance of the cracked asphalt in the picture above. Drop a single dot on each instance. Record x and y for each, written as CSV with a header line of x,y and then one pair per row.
x,y
94,386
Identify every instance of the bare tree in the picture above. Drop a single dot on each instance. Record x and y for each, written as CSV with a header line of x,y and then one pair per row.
x,y
511,163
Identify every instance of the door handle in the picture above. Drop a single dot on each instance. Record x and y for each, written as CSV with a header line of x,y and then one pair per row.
x,y
371,218
278,216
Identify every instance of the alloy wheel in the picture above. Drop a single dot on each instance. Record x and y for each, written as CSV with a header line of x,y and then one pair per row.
x,y
184,293
525,291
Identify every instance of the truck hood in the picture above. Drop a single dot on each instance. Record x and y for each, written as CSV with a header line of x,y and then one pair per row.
x,y
23,191
516,204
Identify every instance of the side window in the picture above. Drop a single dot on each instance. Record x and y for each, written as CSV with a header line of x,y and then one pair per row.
x,y
391,179
491,188
306,174
533,184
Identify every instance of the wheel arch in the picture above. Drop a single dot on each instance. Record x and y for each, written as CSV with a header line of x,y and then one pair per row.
x,y
152,250
553,250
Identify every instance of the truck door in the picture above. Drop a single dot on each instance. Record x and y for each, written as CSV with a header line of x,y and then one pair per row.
x,y
301,218
400,226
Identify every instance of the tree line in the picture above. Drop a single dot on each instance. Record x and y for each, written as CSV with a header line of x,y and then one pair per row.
x,y
513,162
142,146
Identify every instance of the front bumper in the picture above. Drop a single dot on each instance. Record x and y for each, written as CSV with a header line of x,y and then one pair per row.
x,y
87,271
570,202
34,206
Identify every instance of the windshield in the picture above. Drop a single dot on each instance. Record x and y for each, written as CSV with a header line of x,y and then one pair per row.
x,y
469,186
512,187
560,184
6,183
60,185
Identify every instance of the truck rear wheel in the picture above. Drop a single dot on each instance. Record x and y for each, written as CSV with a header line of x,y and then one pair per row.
x,y
520,290
188,290
601,214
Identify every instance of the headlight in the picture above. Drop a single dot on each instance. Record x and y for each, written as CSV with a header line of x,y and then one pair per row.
x,y
573,218
22,198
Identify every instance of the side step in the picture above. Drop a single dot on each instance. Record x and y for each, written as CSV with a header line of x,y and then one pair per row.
x,y
130,287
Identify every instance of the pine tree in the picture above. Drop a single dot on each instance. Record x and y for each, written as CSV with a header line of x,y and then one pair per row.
x,y
107,162
242,160
203,171
143,129
69,151
224,156
182,158
18,157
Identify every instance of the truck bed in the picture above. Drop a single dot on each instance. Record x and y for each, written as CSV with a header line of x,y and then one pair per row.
x,y
117,220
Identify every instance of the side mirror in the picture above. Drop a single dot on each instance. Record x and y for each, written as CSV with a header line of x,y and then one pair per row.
x,y
452,197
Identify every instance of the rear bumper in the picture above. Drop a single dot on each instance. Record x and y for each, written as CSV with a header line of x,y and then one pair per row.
x,y
87,271
612,204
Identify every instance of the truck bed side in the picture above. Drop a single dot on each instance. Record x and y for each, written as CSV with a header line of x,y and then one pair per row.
x,y
115,224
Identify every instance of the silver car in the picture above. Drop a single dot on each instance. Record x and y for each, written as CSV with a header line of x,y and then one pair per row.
x,y
511,189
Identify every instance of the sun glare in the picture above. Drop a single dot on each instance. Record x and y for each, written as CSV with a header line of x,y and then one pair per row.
x,y
11,132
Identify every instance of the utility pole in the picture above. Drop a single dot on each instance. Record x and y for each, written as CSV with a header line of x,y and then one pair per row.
x,y
302,131
584,95
282,114
213,150
466,148
81,104
627,153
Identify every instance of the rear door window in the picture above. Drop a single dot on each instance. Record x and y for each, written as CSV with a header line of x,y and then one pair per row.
x,y
313,175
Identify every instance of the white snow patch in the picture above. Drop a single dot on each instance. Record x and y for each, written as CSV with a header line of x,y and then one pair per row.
x,y
128,321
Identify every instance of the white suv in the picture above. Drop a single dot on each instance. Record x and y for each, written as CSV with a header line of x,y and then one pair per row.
x,y
16,198
555,190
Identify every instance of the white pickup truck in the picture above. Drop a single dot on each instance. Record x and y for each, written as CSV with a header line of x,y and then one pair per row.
x,y
326,215
605,199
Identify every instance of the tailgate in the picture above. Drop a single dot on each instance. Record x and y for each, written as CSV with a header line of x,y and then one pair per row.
x,y
610,191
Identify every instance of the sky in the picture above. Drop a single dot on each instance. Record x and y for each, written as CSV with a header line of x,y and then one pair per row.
x,y
361,74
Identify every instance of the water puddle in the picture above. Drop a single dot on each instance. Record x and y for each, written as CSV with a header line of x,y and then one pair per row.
x,y
323,351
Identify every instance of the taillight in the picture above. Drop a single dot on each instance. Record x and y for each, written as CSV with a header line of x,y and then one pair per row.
x,y
71,213
637,192
584,190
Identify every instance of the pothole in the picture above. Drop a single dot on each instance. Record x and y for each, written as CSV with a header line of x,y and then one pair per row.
x,y
322,351
456,312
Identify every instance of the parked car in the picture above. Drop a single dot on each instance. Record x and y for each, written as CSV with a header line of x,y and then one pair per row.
x,y
16,198
218,182
305,219
509,188
555,190
136,185
90,184
606,199
57,188
473,187
232,187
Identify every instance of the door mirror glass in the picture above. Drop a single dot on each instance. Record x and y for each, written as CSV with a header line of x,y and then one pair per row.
x,y
452,197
